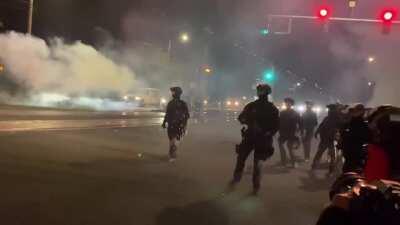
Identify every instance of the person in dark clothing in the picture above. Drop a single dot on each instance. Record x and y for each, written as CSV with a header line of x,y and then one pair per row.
x,y
309,121
327,131
290,124
261,120
176,116
354,139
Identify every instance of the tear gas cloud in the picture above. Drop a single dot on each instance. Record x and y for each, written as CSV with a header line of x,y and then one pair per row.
x,y
93,103
69,69
66,69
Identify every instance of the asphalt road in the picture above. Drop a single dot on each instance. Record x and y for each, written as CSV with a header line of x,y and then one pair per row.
x,y
121,175
30,119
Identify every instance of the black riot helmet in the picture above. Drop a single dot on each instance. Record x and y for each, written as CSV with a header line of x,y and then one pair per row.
x,y
176,92
289,101
263,90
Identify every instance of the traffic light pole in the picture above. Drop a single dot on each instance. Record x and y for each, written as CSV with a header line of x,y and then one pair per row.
x,y
30,17
270,17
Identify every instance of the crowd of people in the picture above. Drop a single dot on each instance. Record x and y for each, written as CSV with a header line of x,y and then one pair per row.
x,y
344,132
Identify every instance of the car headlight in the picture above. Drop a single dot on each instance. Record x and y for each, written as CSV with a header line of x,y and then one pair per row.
x,y
317,109
301,108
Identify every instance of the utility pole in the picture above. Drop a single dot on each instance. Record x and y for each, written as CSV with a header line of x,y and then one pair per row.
x,y
30,17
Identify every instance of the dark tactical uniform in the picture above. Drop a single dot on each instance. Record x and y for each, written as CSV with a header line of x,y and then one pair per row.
x,y
290,123
309,121
262,119
176,117
354,139
327,131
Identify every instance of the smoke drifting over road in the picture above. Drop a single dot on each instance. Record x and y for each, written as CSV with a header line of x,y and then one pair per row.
x,y
69,69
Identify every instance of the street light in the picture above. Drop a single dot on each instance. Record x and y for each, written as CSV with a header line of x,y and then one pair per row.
x,y
371,59
185,38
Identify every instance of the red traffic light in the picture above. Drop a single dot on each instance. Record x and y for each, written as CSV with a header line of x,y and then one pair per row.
x,y
388,15
324,12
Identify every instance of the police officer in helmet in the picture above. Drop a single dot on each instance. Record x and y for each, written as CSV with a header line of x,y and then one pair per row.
x,y
355,136
290,124
261,121
176,117
327,132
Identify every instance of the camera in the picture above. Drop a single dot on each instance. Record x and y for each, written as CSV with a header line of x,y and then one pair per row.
x,y
373,197
355,201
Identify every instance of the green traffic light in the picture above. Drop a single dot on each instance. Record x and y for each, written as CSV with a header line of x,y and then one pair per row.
x,y
264,32
269,76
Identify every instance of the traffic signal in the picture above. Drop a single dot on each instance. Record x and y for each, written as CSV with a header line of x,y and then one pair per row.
x,y
388,15
324,12
269,76
264,31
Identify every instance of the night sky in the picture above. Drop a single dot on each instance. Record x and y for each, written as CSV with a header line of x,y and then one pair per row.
x,y
221,24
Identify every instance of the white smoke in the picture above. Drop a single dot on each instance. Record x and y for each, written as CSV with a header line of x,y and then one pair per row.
x,y
62,101
62,68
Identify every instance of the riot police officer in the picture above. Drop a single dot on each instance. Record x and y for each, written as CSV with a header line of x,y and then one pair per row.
x,y
354,139
261,120
327,131
290,124
309,121
176,116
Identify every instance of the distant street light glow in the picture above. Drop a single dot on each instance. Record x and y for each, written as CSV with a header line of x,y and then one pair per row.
x,y
208,70
185,38
371,59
